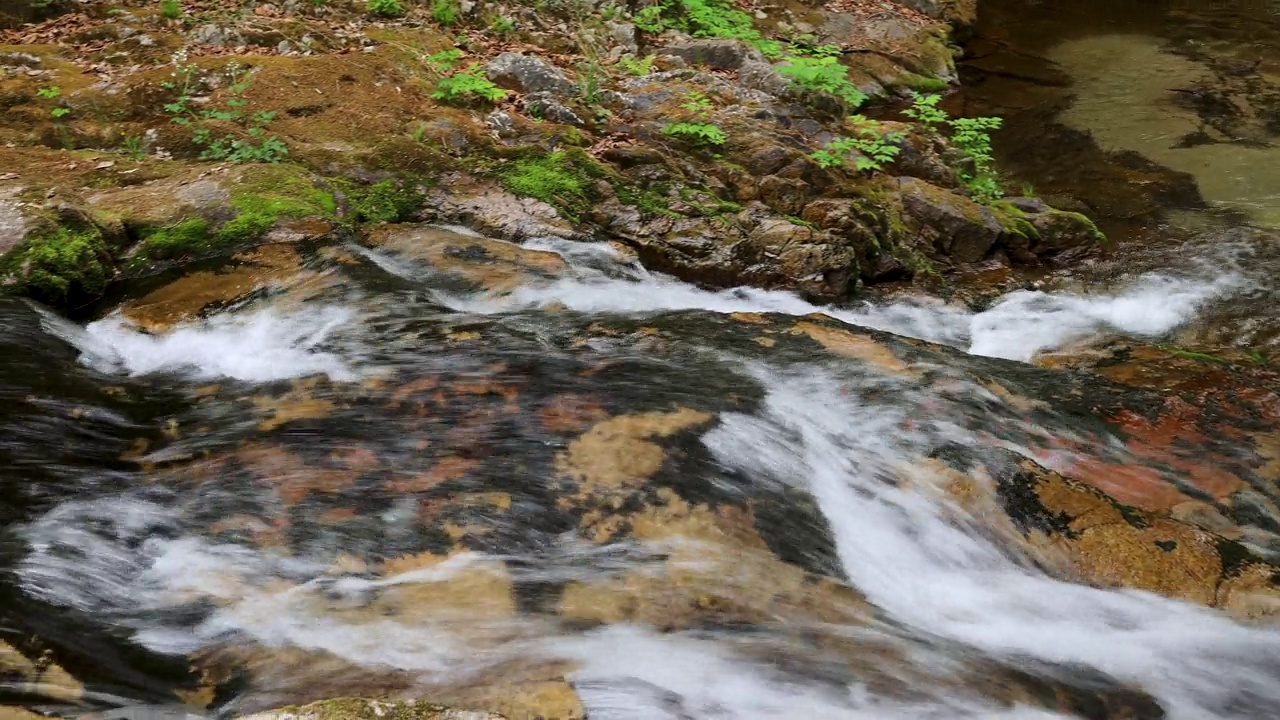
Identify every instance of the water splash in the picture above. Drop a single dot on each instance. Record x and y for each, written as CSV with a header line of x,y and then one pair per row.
x,y
1016,327
256,346
898,547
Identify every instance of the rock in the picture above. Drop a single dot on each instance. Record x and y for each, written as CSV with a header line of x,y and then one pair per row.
x,y
954,226
716,53
1058,230
762,76
545,106
211,34
362,709
960,13
624,34
496,266
13,224
500,123
491,210
527,74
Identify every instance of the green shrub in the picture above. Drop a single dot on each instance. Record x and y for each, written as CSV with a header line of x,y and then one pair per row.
x,y
465,86
170,9
875,148
502,25
384,8
822,74
445,12
700,134
971,136
636,66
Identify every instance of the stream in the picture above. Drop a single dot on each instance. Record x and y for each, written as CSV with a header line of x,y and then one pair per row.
x,y
487,474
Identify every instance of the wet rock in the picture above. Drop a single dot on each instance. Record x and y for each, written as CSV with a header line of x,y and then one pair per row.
x,y
1058,230
952,225
496,266
715,53
362,709
493,211
527,74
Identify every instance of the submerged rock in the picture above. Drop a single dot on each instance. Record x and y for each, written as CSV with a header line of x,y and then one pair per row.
x,y
362,709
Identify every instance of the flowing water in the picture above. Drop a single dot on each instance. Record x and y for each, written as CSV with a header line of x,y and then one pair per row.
x,y
370,478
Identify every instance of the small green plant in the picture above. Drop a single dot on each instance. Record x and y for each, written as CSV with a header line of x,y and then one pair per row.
x,y
384,8
502,25
442,62
53,92
924,110
445,12
465,86
697,104
701,134
171,9
257,147
637,66
134,147
874,148
971,136
823,73
649,19
593,78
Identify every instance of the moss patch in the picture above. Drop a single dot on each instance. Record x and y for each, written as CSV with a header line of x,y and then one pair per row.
x,y
261,199
563,179
384,201
1012,219
63,268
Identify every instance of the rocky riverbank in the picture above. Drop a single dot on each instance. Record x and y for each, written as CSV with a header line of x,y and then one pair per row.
x,y
366,119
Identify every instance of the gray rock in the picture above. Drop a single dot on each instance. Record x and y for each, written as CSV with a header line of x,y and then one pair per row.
x,y
211,34
759,75
544,105
13,227
527,74
501,123
717,53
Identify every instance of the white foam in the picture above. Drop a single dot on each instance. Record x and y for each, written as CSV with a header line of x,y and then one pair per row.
x,y
1024,323
1016,327
898,547
256,346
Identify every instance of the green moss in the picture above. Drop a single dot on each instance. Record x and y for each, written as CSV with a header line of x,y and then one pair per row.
x,y
384,201
924,83
184,238
1012,219
648,201
63,267
563,179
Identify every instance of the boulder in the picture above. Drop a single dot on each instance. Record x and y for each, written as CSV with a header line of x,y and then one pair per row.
x,y
715,53
953,226
527,74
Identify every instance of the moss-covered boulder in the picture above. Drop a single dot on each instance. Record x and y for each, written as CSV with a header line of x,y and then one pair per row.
x,y
204,212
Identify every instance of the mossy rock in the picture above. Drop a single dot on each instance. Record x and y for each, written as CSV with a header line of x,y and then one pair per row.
x,y
234,212
64,267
